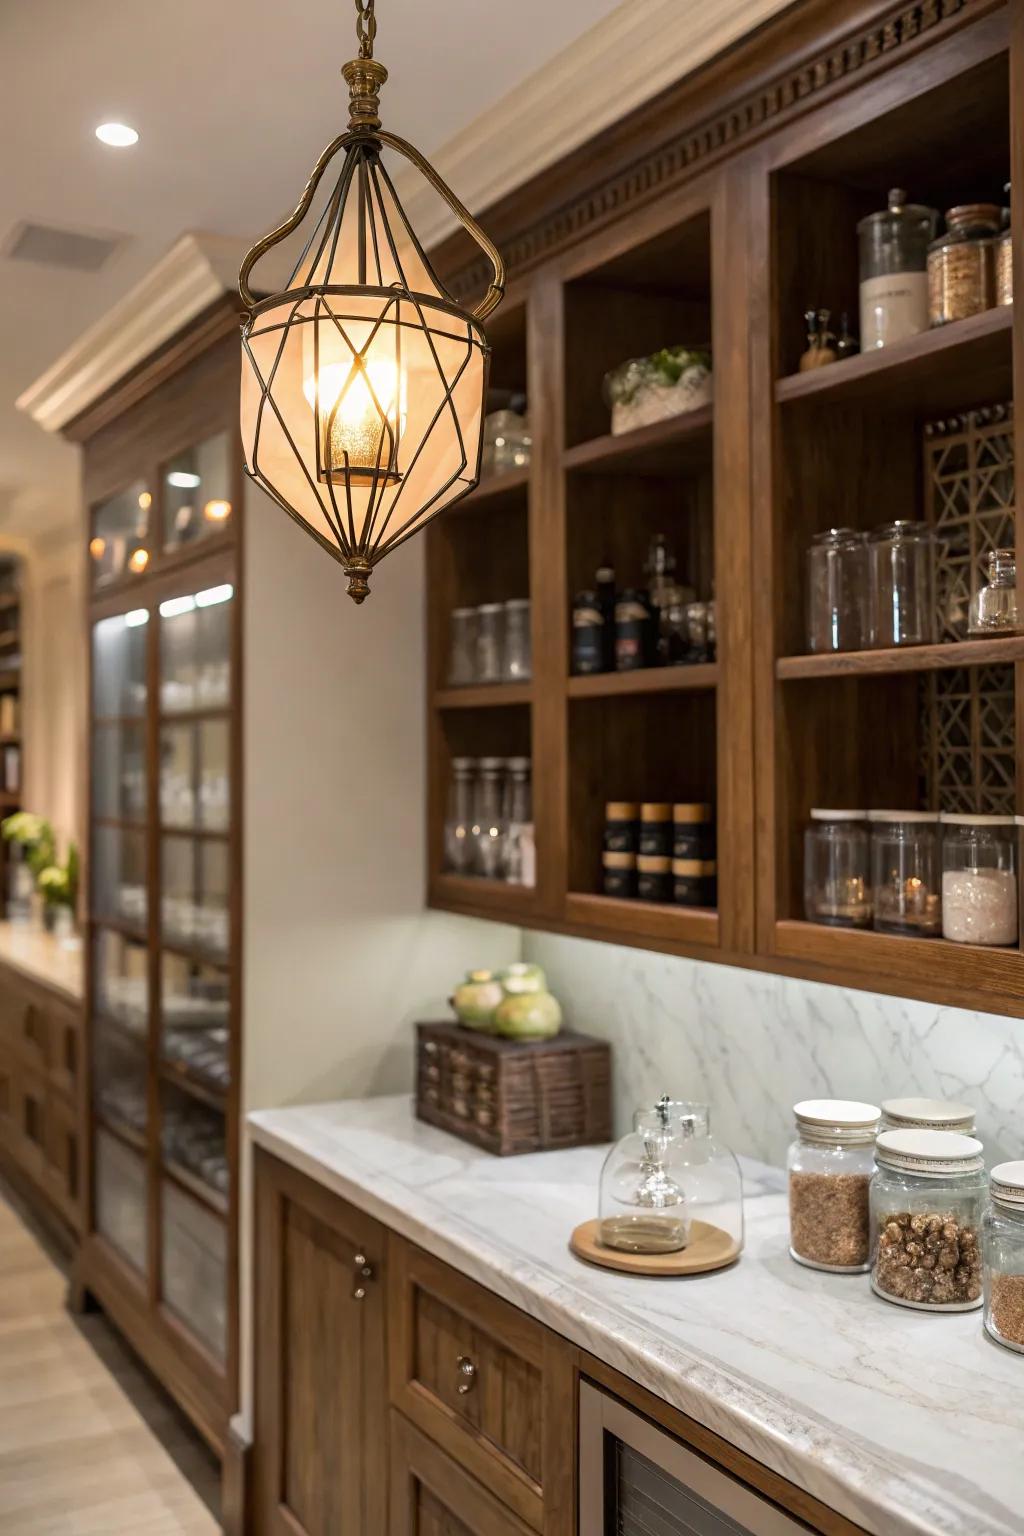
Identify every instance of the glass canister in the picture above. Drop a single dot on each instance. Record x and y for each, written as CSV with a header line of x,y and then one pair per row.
x,y
927,1197
520,846
979,879
905,878
1003,1256
1004,259
961,264
830,1166
642,1201
709,1173
901,584
490,642
489,826
927,1115
994,605
516,655
458,826
837,591
893,271
462,648
507,442
837,881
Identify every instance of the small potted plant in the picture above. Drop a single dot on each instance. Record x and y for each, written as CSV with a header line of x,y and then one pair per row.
x,y
58,886
32,837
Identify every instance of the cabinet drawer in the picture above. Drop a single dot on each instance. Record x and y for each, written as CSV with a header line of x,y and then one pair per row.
x,y
30,1123
62,1159
489,1384
64,1047
432,1496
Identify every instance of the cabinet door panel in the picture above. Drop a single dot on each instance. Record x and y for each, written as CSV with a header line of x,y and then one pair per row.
x,y
432,1496
320,1364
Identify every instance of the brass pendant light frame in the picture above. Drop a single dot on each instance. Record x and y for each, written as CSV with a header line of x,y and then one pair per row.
x,y
359,540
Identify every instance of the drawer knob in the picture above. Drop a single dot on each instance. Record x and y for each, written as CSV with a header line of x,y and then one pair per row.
x,y
363,1271
467,1372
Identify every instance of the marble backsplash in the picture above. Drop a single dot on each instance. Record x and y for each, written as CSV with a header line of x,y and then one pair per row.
x,y
751,1044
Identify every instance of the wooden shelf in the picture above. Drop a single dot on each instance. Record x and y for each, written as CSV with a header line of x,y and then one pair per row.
x,y
193,1185
610,914
203,834
602,685
904,658
193,716
476,896
119,824
10,677
680,442
494,487
125,1133
179,1075
130,931
934,966
484,696
218,959
953,367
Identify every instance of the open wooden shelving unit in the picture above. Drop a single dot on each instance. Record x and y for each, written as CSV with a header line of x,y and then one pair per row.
x,y
732,238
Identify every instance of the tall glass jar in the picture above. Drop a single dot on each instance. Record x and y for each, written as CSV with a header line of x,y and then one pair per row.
x,y
642,1200
961,264
994,605
905,877
830,1166
927,1197
462,648
927,1115
837,591
979,879
1003,1256
893,276
1004,259
489,827
837,880
901,584
490,642
458,826
516,655
520,849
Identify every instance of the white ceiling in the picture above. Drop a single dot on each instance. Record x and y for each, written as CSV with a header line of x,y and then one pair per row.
x,y
233,99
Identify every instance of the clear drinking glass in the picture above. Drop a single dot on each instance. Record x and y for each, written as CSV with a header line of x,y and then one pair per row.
x,y
837,591
901,563
905,872
489,828
462,652
994,606
458,826
490,642
516,657
979,879
837,879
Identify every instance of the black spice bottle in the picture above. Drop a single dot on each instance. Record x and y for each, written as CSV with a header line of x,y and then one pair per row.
x,y
588,634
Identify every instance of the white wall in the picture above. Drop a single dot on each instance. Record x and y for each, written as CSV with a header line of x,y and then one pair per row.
x,y
340,956
54,683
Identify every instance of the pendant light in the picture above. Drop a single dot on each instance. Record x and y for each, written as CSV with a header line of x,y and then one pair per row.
x,y
363,381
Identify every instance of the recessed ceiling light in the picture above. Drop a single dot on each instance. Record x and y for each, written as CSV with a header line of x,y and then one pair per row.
x,y
117,135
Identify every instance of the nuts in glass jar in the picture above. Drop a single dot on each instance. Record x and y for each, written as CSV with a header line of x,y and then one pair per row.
x,y
929,1258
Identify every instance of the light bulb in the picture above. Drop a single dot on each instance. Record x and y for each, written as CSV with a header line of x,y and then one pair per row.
x,y
97,547
139,560
361,408
217,511
145,500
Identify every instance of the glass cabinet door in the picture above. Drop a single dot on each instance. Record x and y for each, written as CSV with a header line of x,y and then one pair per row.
x,y
197,491
121,542
195,650
119,666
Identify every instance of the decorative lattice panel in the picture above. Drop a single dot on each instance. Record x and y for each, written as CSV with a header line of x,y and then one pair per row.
x,y
968,712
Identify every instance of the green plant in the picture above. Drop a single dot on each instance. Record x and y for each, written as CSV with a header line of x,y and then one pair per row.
x,y
58,883
35,835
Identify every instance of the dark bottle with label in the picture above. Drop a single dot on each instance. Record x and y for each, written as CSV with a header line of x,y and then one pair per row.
x,y
588,634
604,581
632,630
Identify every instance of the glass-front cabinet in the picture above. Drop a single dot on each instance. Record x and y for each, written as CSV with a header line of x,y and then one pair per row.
x,y
162,898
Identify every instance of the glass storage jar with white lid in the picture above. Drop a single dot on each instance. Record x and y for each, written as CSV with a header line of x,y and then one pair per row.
x,y
1003,1256
979,879
916,1114
905,880
830,1166
837,881
927,1198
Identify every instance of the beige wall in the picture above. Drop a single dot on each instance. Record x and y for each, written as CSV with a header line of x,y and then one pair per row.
x,y
54,681
340,956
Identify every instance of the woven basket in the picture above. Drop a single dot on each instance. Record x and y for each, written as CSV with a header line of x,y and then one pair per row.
x,y
514,1095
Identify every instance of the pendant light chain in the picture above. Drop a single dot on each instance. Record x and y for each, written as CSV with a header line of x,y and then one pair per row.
x,y
366,27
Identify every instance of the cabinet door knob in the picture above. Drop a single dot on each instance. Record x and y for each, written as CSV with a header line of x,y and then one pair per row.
x,y
363,1270
467,1370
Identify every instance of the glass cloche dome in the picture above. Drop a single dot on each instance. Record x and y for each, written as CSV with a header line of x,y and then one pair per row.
x,y
668,1181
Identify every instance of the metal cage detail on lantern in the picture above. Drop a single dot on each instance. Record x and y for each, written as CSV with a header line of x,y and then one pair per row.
x,y
363,381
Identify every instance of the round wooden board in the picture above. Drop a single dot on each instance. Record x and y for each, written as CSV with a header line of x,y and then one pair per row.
x,y
709,1248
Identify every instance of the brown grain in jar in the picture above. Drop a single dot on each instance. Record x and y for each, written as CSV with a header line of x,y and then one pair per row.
x,y
961,264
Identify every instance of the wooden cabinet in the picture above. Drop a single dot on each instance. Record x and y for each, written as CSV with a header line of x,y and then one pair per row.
x,y
40,1058
321,1366
432,1496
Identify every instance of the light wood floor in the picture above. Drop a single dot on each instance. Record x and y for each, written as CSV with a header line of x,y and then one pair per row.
x,y
88,1444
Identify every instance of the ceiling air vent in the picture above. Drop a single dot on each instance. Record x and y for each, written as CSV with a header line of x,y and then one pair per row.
x,y
69,248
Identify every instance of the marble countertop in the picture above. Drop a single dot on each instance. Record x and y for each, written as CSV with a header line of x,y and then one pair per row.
x,y
909,1424
43,958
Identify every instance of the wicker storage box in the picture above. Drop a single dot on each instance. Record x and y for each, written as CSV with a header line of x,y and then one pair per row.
x,y
514,1095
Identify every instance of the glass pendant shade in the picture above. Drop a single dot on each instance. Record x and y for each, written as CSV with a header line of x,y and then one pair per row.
x,y
363,382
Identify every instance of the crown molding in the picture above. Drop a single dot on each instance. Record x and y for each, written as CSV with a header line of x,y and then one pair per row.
x,y
196,271
614,67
